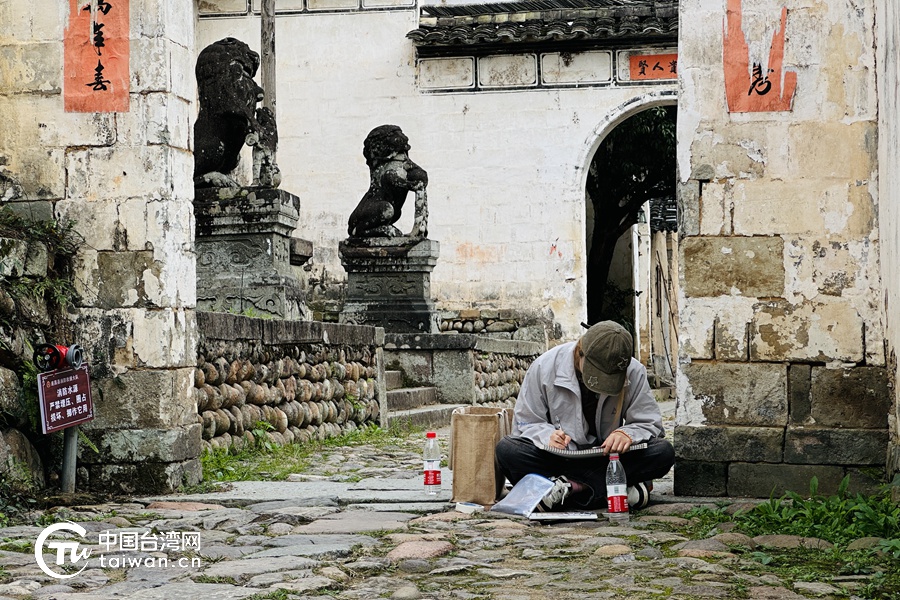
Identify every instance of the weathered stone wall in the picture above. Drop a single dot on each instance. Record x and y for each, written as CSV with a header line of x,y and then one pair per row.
x,y
887,17
465,368
125,179
498,377
506,170
306,380
782,365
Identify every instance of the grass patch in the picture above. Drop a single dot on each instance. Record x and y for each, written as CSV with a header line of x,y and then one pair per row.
x,y
270,462
839,519
210,579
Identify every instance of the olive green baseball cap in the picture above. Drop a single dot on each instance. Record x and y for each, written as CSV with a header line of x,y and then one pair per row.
x,y
608,348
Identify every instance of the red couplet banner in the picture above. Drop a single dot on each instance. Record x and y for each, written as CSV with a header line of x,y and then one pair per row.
x,y
96,53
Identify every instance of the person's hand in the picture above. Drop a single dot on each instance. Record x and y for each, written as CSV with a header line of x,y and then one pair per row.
x,y
617,442
559,439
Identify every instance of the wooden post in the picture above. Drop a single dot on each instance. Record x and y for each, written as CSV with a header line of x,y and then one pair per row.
x,y
70,451
267,24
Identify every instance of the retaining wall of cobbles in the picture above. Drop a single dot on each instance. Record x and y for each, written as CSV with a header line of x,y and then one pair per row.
x,y
498,377
284,381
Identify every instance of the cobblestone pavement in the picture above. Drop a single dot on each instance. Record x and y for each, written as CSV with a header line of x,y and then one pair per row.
x,y
358,526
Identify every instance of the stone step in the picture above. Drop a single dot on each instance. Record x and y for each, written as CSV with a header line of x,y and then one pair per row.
x,y
431,417
407,398
393,380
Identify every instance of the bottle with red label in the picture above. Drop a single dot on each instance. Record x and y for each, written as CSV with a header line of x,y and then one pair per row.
x,y
616,491
432,464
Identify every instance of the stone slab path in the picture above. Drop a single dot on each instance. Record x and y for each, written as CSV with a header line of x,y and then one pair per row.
x,y
359,526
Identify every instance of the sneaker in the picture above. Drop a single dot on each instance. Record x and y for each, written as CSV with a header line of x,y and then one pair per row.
x,y
639,494
557,495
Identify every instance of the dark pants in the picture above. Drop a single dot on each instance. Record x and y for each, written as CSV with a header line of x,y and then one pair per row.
x,y
518,456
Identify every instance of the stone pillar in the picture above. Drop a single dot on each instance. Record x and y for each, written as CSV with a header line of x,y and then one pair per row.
x,y
125,180
782,359
389,283
245,251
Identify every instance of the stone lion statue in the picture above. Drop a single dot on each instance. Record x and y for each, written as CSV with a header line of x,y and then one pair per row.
x,y
392,175
228,117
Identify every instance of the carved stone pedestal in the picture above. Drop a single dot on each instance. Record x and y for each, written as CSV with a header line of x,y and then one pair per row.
x,y
245,251
389,283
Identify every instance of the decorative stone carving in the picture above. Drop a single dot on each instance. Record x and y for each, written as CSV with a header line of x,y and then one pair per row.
x,y
228,117
245,251
392,176
389,283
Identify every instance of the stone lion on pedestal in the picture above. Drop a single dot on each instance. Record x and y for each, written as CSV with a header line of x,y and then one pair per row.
x,y
392,176
228,117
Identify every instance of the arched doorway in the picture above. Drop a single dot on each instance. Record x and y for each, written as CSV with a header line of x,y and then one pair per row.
x,y
630,234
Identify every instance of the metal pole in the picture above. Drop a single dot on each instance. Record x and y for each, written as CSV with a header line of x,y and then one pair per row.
x,y
267,43
70,451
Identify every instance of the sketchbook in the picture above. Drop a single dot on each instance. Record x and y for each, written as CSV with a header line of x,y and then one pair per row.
x,y
588,452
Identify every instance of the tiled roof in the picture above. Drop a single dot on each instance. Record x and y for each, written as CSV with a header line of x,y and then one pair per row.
x,y
546,21
663,214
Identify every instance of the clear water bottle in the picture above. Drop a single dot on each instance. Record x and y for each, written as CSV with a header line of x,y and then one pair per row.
x,y
616,492
432,464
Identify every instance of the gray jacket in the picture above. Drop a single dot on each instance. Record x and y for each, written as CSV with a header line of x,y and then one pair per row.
x,y
550,391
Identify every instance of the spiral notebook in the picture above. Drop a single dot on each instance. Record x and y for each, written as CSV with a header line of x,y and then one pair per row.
x,y
587,452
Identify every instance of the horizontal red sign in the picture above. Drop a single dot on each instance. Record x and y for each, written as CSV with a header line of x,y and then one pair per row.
x,y
653,66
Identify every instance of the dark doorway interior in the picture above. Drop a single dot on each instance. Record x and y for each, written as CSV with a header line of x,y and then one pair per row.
x,y
634,164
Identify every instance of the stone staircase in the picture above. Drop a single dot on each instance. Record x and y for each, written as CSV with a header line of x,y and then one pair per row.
x,y
415,406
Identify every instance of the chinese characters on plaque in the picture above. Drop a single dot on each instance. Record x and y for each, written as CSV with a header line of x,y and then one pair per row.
x,y
65,398
652,66
96,53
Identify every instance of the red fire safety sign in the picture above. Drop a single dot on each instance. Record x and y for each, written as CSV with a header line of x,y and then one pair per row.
x,y
65,398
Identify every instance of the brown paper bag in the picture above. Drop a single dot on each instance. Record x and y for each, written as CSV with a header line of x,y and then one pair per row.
x,y
474,433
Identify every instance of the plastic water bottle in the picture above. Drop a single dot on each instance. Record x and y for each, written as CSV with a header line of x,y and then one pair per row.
x,y
616,492
432,464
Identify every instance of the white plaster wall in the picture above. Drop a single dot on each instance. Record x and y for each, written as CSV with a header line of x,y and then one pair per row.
x,y
506,169
888,61
808,176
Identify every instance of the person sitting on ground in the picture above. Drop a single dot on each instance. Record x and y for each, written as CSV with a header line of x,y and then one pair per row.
x,y
579,395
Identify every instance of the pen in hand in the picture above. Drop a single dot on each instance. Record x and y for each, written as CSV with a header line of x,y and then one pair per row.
x,y
559,437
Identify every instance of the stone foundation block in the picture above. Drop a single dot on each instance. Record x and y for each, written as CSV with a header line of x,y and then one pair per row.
x,y
852,398
38,67
804,445
453,377
867,481
799,377
144,478
826,331
139,445
756,480
144,400
698,478
150,171
740,393
715,328
723,266
120,278
822,149
763,444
